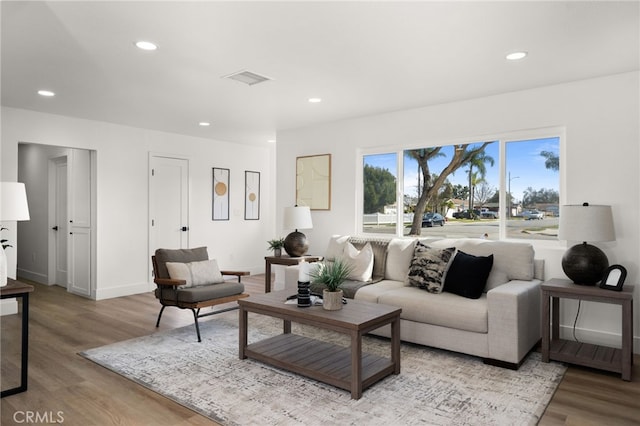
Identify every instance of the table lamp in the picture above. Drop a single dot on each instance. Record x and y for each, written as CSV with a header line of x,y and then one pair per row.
x,y
298,217
583,263
13,207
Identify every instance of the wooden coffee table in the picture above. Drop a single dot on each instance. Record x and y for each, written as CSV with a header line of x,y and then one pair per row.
x,y
343,367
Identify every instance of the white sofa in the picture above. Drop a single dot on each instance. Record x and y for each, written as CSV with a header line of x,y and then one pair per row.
x,y
501,326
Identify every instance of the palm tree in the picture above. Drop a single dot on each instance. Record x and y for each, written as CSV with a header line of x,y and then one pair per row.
x,y
477,160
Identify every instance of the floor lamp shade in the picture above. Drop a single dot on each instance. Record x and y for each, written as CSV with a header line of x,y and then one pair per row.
x,y
584,263
298,217
13,206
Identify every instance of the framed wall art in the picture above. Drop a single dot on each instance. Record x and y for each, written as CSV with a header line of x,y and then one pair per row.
x,y
313,181
220,191
251,195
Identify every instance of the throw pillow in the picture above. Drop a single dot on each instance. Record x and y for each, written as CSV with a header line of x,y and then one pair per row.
x,y
468,275
360,261
195,273
428,267
336,247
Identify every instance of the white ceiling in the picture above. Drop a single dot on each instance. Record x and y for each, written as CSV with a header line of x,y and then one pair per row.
x,y
361,58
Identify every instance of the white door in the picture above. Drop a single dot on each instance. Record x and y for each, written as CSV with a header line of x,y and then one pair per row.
x,y
169,203
59,220
80,223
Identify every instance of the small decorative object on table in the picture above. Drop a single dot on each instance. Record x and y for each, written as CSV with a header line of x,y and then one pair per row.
x,y
332,275
276,246
613,278
304,294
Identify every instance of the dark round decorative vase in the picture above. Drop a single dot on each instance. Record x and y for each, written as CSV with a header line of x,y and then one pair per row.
x,y
584,264
296,244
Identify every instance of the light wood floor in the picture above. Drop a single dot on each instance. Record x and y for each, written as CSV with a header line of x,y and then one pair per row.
x,y
61,325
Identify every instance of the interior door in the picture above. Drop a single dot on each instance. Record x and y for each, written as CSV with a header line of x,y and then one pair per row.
x,y
169,203
80,223
59,223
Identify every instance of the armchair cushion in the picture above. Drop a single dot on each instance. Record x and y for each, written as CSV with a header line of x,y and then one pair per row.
x,y
178,255
201,293
198,273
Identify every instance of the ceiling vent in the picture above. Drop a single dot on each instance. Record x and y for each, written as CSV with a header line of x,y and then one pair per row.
x,y
247,77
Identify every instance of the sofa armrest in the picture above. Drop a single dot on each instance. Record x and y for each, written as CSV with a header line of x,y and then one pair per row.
x,y
514,319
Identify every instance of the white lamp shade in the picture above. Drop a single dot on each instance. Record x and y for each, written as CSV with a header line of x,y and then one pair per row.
x,y
298,217
586,223
14,202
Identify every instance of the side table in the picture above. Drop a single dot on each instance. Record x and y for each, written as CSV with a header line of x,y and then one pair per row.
x,y
585,354
11,290
283,260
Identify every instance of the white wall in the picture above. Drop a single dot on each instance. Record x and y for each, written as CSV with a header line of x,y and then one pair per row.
x,y
601,165
122,187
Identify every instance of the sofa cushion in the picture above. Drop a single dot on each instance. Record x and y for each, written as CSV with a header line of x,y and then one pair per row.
x,y
444,309
511,260
379,247
178,255
428,267
203,272
371,293
399,255
467,275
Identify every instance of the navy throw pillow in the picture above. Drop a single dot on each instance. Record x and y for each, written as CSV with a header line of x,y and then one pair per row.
x,y
467,275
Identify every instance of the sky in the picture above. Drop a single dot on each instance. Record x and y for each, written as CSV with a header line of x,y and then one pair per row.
x,y
524,162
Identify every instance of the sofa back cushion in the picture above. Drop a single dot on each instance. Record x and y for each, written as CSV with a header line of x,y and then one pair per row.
x,y
511,260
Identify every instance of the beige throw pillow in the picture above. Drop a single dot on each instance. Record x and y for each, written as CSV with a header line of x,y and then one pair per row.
x,y
195,273
360,261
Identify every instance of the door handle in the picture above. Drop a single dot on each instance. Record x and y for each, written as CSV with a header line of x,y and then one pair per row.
x,y
55,228
185,228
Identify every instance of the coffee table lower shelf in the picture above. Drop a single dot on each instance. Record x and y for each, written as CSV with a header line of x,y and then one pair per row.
x,y
322,361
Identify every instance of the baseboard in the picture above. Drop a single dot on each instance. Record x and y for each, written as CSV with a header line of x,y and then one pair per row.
x,y
33,276
125,290
8,307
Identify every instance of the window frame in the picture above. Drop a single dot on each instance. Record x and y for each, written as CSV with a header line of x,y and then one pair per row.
x,y
501,138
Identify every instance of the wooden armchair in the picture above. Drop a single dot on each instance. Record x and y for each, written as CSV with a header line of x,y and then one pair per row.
x,y
191,287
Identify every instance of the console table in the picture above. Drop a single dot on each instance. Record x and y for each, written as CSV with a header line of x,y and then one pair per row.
x,y
283,260
17,289
585,354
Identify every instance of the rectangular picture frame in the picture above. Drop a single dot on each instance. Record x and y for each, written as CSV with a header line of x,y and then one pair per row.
x,y
251,195
220,191
313,181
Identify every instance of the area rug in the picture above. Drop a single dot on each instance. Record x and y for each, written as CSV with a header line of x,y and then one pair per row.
x,y
435,387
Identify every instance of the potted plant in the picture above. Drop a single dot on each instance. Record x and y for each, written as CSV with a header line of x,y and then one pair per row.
x,y
331,275
276,246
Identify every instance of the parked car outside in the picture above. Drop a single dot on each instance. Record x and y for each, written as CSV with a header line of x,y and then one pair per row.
x,y
532,214
466,215
432,219
488,214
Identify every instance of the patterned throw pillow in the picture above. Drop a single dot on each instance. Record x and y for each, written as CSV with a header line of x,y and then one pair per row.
x,y
428,267
196,273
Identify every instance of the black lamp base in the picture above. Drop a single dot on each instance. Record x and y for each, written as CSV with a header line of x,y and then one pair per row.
x,y
584,264
296,244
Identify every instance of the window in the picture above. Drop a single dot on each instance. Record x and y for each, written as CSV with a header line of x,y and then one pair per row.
x,y
380,207
457,190
533,188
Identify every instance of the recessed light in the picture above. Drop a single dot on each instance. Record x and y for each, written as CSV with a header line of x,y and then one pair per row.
x,y
47,93
515,56
145,45
271,141
315,100
204,123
